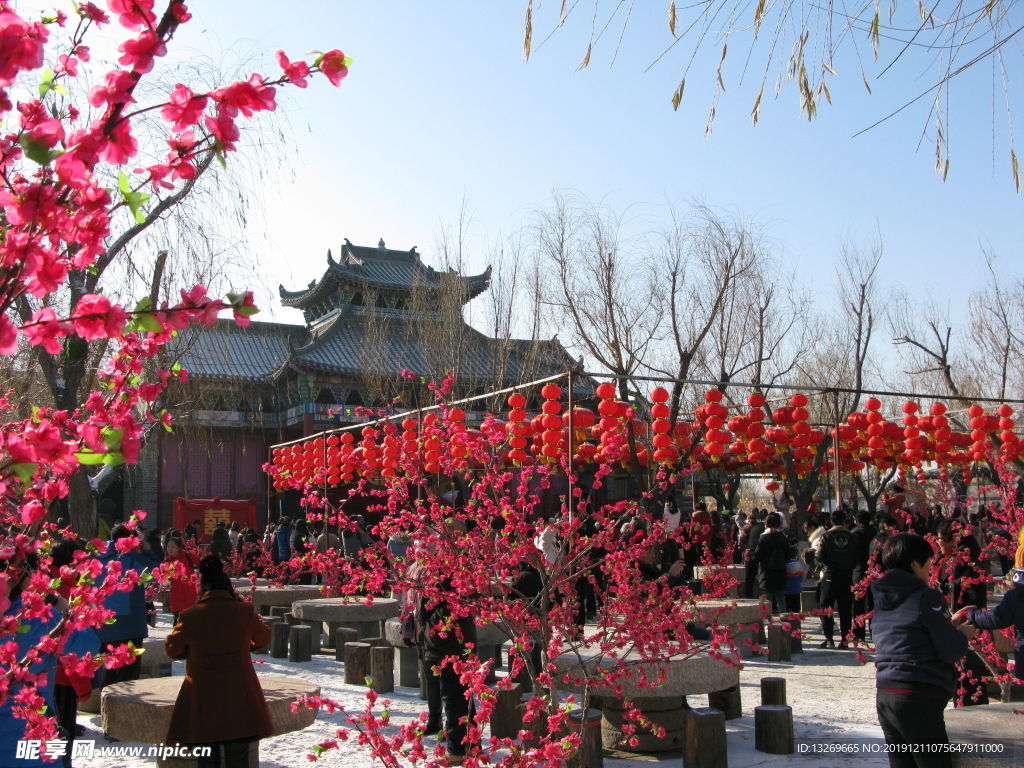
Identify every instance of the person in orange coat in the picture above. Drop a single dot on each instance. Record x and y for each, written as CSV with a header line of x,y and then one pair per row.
x,y
221,702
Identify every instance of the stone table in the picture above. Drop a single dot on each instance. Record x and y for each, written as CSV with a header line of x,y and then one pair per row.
x,y
993,730
347,612
663,705
264,597
738,572
489,639
140,711
244,583
164,593
732,613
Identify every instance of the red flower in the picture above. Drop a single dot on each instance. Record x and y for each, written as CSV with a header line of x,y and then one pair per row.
x,y
21,45
184,108
247,96
180,12
32,512
66,63
48,277
224,129
8,336
140,52
295,71
134,14
96,318
121,145
45,330
116,89
333,65
244,307
93,12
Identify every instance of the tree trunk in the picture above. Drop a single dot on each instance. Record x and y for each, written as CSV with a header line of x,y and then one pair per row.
x,y
82,505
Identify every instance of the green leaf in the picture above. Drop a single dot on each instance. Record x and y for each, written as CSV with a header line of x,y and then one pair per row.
x,y
112,437
146,323
89,458
23,627
35,151
134,200
114,459
218,150
24,472
46,83
247,311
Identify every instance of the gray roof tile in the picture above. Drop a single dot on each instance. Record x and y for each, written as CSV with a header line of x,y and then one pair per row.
x,y
228,351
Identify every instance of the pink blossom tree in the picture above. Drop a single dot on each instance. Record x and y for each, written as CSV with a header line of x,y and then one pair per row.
x,y
55,228
517,549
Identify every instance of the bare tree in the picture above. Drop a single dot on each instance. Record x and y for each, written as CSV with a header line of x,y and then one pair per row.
x,y
997,330
843,359
710,261
597,286
988,363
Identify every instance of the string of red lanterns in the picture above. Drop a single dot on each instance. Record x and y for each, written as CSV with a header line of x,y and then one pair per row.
x,y
746,442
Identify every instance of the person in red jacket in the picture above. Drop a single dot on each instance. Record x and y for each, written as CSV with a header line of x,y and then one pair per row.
x,y
184,591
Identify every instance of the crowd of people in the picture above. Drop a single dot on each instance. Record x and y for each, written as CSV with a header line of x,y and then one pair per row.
x,y
876,573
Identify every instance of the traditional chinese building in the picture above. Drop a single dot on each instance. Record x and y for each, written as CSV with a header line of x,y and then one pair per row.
x,y
379,325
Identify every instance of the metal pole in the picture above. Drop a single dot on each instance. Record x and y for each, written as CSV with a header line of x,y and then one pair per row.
x,y
570,499
837,450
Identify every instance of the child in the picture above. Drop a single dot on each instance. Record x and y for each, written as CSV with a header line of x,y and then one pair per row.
x,y
916,652
795,570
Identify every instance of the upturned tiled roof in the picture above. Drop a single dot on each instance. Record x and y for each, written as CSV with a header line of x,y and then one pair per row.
x,y
426,346
383,268
230,352
349,345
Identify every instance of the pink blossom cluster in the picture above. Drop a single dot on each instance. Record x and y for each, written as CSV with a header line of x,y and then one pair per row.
x,y
55,219
473,555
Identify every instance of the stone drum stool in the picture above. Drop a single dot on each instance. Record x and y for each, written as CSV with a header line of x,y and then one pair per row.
x,y
140,711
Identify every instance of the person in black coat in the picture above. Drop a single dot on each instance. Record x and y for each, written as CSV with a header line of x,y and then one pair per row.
x,y
771,553
751,533
863,534
835,551
916,652
1009,612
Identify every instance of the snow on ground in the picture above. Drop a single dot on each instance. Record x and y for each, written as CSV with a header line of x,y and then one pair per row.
x,y
831,693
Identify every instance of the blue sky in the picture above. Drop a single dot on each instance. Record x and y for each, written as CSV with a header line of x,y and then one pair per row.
x,y
440,104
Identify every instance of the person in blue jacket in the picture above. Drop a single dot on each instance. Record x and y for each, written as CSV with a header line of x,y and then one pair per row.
x,y
130,623
30,633
283,539
1009,612
916,651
